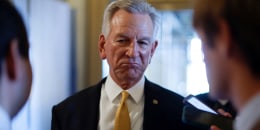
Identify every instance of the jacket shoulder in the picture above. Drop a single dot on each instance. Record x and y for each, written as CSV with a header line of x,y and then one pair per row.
x,y
159,91
87,95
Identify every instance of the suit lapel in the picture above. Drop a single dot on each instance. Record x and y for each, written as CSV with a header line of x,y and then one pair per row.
x,y
150,105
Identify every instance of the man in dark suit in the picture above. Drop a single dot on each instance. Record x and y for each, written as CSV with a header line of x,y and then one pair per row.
x,y
81,111
128,43
229,31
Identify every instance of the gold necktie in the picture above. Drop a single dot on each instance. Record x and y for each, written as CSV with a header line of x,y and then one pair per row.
x,y
122,120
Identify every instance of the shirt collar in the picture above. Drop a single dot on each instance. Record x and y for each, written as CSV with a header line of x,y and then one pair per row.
x,y
249,115
5,121
223,102
113,89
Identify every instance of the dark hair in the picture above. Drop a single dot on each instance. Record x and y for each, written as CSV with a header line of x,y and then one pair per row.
x,y
11,27
243,19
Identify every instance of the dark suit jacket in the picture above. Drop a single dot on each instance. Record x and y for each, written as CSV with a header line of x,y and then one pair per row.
x,y
81,111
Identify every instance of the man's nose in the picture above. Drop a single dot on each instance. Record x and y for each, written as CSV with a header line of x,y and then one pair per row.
x,y
133,49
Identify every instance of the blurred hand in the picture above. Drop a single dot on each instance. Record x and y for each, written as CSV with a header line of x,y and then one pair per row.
x,y
213,127
223,113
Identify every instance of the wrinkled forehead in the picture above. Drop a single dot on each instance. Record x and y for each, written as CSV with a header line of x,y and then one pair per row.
x,y
126,23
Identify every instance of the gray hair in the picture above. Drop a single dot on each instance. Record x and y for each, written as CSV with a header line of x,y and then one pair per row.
x,y
131,6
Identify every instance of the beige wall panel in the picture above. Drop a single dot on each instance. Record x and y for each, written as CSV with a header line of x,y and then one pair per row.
x,y
171,4
88,24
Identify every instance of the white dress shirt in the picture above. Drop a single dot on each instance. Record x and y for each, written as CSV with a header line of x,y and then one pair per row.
x,y
5,121
249,115
110,100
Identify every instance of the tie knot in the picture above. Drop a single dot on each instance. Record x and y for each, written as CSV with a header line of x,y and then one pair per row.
x,y
125,95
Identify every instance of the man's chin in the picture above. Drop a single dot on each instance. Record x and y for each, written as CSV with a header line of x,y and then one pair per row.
x,y
217,95
130,76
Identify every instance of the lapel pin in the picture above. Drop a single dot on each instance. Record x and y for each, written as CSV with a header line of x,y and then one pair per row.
x,y
155,102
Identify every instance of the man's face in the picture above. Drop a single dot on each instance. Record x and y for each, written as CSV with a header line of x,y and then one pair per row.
x,y
215,68
129,46
16,79
24,81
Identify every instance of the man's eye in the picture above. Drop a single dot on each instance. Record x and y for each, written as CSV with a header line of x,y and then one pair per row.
x,y
143,42
121,41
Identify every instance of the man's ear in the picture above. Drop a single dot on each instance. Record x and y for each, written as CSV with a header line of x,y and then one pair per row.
x,y
11,59
155,44
224,39
101,46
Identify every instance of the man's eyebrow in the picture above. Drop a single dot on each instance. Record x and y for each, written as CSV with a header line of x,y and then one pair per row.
x,y
145,38
121,35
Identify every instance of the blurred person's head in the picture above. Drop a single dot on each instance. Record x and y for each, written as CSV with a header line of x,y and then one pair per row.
x,y
128,39
15,69
229,30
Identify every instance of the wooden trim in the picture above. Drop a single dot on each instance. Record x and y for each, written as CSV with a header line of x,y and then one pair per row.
x,y
88,26
94,17
171,4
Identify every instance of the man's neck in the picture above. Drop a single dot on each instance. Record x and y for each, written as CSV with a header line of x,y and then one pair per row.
x,y
126,83
5,120
243,88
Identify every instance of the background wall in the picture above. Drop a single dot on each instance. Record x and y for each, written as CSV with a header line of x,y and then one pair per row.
x,y
88,27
